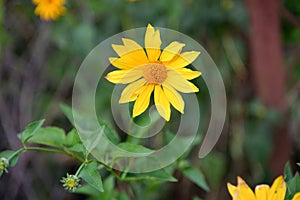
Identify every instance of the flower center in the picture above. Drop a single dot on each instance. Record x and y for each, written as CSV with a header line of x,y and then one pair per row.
x,y
1,166
70,183
155,73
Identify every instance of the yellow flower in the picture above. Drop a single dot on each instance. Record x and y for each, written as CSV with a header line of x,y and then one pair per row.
x,y
151,70
49,9
262,192
71,182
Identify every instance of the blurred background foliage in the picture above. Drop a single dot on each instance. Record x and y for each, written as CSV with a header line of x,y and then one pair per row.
x,y
38,65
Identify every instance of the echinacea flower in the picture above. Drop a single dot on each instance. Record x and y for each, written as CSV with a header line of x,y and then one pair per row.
x,y
49,9
262,192
71,182
152,70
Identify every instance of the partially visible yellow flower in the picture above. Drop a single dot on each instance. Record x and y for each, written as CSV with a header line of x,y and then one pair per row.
x,y
49,9
4,163
262,192
153,70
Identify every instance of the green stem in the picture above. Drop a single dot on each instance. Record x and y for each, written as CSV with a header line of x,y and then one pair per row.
x,y
16,153
46,150
80,168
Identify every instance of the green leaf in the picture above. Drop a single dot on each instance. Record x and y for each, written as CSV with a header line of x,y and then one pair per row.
x,y
195,175
123,196
51,136
79,148
293,185
7,154
30,130
135,148
158,175
288,174
91,175
108,131
87,190
72,138
67,110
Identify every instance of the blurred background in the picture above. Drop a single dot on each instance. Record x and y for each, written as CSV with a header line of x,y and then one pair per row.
x,y
255,44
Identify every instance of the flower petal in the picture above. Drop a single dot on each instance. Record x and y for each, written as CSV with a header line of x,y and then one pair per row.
x,y
262,192
244,191
278,189
182,60
174,98
152,43
130,92
188,74
231,188
296,196
161,102
131,52
142,101
124,76
171,51
126,62
177,81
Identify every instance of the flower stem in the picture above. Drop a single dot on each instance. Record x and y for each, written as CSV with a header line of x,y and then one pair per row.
x,y
46,150
80,168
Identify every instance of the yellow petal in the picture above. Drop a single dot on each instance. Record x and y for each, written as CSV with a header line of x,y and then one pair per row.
x,y
262,192
131,52
130,93
152,43
161,102
182,60
244,191
177,81
126,62
124,76
296,196
278,189
174,98
142,101
231,188
188,74
171,51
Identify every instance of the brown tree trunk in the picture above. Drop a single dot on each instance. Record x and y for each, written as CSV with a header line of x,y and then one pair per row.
x,y
267,67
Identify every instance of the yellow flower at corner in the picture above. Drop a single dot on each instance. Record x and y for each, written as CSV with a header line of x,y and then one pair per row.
x,y
262,192
153,71
49,9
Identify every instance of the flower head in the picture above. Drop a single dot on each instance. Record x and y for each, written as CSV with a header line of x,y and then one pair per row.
x,y
153,70
262,192
49,9
71,182
4,163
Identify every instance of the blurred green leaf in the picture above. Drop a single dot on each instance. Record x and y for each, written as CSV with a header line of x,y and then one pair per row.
x,y
51,136
293,186
214,166
288,173
123,196
30,130
195,175
67,110
91,175
135,148
158,175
